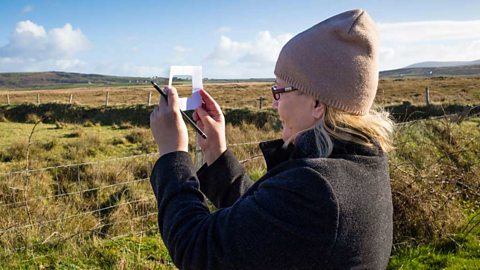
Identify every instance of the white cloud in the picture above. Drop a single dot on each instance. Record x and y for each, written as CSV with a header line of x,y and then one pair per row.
x,y
223,30
27,9
403,44
32,48
256,58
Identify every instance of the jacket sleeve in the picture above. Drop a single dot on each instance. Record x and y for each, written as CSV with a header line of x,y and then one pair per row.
x,y
282,225
224,181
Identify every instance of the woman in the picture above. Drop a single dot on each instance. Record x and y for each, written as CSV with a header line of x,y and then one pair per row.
x,y
325,201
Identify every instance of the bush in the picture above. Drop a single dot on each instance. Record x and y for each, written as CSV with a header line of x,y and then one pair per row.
x,y
88,123
16,152
32,118
86,146
434,173
141,136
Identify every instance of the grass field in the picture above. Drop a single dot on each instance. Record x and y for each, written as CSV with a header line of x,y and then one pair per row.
x,y
86,203
453,90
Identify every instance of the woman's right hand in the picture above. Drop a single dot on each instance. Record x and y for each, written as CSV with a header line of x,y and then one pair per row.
x,y
210,119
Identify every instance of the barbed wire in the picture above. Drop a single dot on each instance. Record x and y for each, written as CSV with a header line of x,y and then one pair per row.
x,y
43,223
447,116
94,162
73,193
47,240
78,164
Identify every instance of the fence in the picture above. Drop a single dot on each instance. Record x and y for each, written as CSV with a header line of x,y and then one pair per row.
x,y
106,98
106,199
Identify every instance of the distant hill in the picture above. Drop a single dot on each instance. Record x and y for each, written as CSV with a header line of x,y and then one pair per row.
x,y
468,70
444,64
54,79
60,79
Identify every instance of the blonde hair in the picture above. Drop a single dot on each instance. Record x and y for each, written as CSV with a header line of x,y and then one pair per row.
x,y
374,128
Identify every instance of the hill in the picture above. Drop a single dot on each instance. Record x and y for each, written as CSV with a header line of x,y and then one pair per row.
x,y
469,70
55,79
431,64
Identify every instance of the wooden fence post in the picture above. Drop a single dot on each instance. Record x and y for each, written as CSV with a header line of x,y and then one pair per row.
x,y
38,98
70,99
149,98
427,96
261,99
198,156
106,98
8,99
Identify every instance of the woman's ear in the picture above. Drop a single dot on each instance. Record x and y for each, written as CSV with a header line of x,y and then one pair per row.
x,y
319,110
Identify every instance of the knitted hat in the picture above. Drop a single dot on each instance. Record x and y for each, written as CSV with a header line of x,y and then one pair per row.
x,y
334,61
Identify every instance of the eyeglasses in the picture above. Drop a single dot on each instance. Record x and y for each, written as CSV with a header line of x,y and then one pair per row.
x,y
276,91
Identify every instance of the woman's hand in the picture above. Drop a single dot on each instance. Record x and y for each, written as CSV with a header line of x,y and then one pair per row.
x,y
168,127
210,119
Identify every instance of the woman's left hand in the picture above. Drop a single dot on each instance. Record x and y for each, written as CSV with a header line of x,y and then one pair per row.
x,y
168,127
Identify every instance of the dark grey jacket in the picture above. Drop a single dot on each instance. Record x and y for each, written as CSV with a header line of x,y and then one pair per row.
x,y
305,213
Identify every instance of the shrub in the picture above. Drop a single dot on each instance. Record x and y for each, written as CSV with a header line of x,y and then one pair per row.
x,y
17,151
118,141
88,123
59,125
86,146
434,173
49,145
140,136
75,134
125,125
32,118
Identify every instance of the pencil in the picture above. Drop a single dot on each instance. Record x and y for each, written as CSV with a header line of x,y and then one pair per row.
x,y
185,116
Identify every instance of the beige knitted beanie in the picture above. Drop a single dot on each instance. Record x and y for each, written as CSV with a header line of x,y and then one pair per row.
x,y
335,61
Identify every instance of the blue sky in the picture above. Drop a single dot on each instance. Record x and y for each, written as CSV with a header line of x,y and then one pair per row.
x,y
230,39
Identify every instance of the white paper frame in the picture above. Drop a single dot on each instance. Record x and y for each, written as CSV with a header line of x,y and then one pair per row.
x,y
194,101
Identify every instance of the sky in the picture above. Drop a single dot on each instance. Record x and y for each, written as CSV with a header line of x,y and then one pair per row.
x,y
229,39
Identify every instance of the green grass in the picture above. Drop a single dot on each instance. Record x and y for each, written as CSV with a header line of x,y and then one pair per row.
x,y
128,252
149,252
434,175
459,251
52,146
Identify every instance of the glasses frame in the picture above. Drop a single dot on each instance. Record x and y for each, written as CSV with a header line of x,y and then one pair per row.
x,y
277,91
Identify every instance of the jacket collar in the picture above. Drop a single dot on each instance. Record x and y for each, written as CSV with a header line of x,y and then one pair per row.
x,y
305,147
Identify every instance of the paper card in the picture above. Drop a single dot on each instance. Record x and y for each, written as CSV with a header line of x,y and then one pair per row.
x,y
194,101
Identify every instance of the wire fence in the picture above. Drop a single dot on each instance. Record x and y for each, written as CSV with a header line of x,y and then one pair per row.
x,y
67,201
105,198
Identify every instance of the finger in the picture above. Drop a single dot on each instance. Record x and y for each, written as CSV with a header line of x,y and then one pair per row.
x,y
202,114
172,98
210,103
195,116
